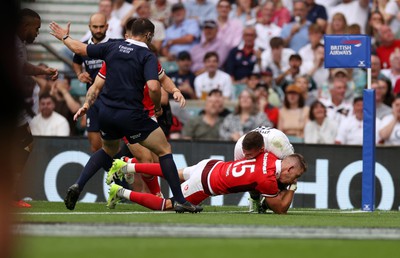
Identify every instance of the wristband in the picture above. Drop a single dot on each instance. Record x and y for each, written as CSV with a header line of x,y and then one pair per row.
x,y
175,90
157,109
292,187
65,37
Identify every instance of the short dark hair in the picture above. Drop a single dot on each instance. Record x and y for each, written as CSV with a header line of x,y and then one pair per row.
x,y
210,54
142,26
295,57
253,140
128,24
27,13
276,42
214,92
301,161
46,95
357,99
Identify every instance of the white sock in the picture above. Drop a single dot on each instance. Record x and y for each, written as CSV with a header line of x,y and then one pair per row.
x,y
130,168
124,193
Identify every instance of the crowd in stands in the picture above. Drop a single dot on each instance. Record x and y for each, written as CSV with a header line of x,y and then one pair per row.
x,y
261,62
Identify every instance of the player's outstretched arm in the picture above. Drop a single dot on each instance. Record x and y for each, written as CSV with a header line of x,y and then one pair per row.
x,y
280,204
63,34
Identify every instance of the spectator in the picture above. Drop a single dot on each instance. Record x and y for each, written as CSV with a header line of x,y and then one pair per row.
x,y
376,68
392,18
390,129
328,4
245,118
182,35
288,77
338,108
316,14
210,43
351,7
375,20
275,94
245,11
206,125
252,81
114,30
308,89
243,60
265,28
161,11
337,25
319,129
354,29
346,76
277,59
184,78
316,69
350,130
222,110
121,8
200,10
48,122
382,109
230,30
294,114
387,91
212,78
295,34
141,9
393,73
282,14
65,104
315,34
262,93
387,45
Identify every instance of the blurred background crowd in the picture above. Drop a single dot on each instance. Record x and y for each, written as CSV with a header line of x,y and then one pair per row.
x,y
245,63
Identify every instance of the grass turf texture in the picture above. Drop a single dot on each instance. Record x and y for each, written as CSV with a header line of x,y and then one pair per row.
x,y
99,247
211,215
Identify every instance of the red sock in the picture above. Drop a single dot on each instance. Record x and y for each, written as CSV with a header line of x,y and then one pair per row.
x,y
153,169
152,183
130,160
148,200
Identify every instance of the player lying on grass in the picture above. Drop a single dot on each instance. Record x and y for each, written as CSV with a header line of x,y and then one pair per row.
x,y
215,177
275,141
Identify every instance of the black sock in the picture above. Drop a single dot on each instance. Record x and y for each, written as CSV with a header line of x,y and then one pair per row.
x,y
99,159
170,173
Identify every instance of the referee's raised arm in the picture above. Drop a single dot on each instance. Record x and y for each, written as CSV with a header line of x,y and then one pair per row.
x,y
63,34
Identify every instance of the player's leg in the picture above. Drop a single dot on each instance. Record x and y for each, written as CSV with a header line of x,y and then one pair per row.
x,y
93,128
25,145
145,199
157,143
100,159
94,141
144,155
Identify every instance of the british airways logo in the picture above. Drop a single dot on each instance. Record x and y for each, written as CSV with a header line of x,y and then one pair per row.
x,y
354,42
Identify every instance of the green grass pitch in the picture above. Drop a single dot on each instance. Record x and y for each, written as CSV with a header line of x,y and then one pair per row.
x,y
168,246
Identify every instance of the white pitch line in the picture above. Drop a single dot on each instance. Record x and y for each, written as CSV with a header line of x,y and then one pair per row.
x,y
163,212
203,231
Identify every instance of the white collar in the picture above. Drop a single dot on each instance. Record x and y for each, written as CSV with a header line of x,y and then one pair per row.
x,y
138,43
90,41
278,165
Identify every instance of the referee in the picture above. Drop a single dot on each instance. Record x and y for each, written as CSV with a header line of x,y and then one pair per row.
x,y
130,65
